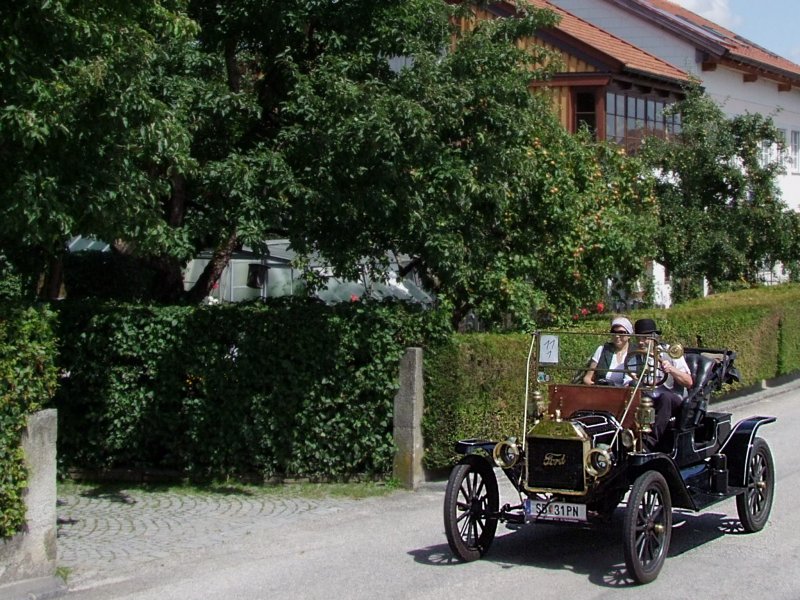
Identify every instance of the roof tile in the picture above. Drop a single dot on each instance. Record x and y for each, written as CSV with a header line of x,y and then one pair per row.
x,y
632,57
738,47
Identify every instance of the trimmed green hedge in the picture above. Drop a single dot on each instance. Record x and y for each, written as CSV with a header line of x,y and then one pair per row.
x,y
287,388
475,386
296,388
27,381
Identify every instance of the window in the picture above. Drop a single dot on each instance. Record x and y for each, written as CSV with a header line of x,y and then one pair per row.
x,y
764,153
585,114
794,152
629,118
770,153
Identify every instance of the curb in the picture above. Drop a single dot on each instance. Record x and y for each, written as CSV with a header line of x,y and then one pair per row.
x,y
767,388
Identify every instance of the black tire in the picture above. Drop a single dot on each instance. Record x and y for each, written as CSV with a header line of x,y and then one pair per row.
x,y
470,508
755,504
647,528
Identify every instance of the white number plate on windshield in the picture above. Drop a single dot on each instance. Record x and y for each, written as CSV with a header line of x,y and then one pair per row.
x,y
542,510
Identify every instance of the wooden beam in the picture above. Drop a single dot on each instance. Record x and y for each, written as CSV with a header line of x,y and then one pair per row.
x,y
600,111
709,66
784,87
576,80
749,77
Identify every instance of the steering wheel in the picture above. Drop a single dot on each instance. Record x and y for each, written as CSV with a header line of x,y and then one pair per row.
x,y
636,366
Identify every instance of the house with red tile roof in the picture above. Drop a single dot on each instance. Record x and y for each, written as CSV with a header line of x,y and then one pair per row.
x,y
603,81
617,89
624,61
739,74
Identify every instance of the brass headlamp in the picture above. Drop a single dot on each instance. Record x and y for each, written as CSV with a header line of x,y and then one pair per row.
x,y
506,453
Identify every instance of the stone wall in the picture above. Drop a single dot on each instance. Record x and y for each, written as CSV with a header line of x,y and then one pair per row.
x,y
32,554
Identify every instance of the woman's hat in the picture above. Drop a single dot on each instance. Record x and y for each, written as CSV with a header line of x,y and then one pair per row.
x,y
622,322
645,327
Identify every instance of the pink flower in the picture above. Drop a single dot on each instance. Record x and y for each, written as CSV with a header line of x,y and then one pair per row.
x,y
600,307
354,298
584,311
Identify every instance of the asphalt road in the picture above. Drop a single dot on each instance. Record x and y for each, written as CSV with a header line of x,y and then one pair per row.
x,y
130,547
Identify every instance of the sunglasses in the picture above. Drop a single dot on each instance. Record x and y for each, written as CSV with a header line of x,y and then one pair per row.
x,y
615,332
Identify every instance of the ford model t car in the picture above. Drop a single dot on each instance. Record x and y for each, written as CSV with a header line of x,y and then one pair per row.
x,y
583,449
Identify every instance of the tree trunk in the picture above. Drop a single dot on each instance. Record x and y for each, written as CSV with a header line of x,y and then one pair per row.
x,y
52,287
232,65
459,314
168,284
214,268
176,205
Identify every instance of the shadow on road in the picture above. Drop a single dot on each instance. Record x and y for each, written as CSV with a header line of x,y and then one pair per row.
x,y
593,552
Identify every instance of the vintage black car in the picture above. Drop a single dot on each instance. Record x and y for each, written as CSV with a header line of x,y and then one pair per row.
x,y
582,450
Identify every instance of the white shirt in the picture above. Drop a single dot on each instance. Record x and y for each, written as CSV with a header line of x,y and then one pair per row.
x,y
680,365
669,383
615,374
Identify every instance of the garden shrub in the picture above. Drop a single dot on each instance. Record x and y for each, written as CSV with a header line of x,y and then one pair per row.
x,y
294,388
474,387
290,387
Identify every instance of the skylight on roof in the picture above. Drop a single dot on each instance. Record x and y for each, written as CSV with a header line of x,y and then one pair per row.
x,y
705,30
747,42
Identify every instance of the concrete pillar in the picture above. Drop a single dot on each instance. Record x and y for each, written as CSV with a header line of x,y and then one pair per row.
x,y
29,558
408,406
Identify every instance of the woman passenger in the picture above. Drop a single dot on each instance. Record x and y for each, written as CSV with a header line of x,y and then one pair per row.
x,y
607,365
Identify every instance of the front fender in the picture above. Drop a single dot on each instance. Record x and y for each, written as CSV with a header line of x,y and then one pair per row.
x,y
474,445
738,446
482,450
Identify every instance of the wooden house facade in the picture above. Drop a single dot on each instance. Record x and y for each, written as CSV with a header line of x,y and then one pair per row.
x,y
617,90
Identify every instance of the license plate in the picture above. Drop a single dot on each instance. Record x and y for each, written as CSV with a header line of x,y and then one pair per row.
x,y
542,510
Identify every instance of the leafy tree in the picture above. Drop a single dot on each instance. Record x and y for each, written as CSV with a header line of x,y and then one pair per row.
x,y
721,214
355,128
96,118
451,161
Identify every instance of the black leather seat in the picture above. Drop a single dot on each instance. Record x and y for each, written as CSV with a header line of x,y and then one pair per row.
x,y
701,366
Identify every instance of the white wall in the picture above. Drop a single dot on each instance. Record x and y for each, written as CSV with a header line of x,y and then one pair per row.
x,y
762,97
625,26
662,289
724,85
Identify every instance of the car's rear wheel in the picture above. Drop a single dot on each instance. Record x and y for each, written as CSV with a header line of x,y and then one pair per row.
x,y
470,508
755,504
647,527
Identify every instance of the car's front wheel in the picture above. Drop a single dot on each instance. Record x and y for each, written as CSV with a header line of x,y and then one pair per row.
x,y
647,528
470,508
755,504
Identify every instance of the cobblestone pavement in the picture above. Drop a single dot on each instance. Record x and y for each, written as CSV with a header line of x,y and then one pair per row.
x,y
106,534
